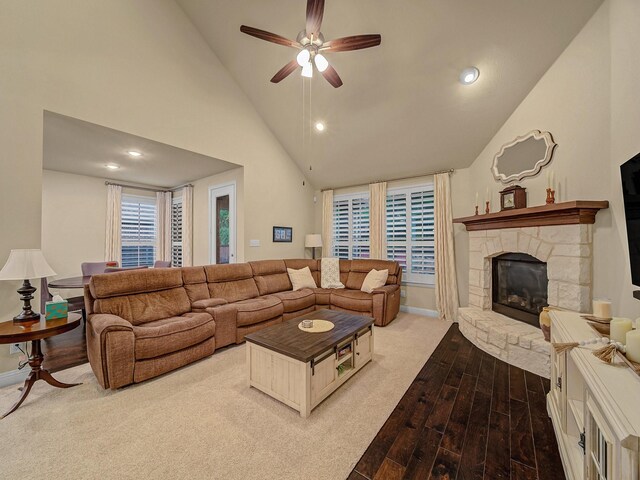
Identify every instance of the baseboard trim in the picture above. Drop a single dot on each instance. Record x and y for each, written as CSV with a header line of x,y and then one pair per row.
x,y
419,311
13,377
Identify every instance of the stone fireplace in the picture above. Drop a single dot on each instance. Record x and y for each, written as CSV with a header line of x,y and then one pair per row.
x,y
515,270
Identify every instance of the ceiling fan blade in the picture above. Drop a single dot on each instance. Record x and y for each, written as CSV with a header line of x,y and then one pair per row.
x,y
268,36
355,42
315,11
285,71
332,77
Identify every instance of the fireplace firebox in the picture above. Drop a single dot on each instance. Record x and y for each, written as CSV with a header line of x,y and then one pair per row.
x,y
519,286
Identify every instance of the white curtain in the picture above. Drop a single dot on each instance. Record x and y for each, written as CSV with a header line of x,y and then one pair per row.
x,y
163,226
187,226
327,223
378,220
113,242
446,284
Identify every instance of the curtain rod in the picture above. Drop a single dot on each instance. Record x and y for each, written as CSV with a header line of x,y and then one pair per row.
x,y
449,171
148,189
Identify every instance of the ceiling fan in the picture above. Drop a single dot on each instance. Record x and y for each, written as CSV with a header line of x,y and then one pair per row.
x,y
312,45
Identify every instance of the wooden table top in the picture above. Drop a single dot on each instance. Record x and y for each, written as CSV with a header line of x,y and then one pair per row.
x,y
11,332
286,338
72,282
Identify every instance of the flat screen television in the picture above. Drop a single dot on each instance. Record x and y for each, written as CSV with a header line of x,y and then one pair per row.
x,y
630,172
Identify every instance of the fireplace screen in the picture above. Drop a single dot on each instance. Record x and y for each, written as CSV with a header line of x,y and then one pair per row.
x,y
519,286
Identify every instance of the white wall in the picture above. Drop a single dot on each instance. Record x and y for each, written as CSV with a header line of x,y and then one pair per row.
x,y
588,100
139,67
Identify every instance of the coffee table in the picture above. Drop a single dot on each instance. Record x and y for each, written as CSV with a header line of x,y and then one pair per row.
x,y
12,332
300,368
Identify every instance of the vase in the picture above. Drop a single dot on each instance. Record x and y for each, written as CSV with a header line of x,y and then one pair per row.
x,y
545,323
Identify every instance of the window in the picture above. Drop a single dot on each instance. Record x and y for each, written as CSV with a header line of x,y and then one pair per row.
x,y
351,226
410,232
176,232
138,231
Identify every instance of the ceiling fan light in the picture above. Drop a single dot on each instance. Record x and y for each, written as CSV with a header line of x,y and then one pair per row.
x,y
307,70
321,62
303,57
469,75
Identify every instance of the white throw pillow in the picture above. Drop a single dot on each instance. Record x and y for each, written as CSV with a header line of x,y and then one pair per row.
x,y
301,278
374,279
330,273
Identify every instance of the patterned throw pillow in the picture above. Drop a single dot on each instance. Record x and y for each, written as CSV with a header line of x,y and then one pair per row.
x,y
330,273
301,278
374,279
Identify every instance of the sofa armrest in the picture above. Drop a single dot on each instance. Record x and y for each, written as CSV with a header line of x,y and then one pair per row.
x,y
202,305
225,317
111,350
386,289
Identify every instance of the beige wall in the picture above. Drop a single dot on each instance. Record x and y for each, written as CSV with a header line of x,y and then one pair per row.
x,y
588,100
142,68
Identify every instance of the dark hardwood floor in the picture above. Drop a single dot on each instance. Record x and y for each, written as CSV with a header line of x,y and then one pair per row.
x,y
466,416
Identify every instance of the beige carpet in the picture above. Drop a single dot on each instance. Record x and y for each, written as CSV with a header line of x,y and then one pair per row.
x,y
202,422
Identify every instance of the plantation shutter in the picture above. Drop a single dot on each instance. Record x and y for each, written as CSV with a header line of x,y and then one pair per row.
x,y
176,232
138,231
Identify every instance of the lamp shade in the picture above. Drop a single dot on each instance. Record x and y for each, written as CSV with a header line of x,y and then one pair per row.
x,y
24,265
313,240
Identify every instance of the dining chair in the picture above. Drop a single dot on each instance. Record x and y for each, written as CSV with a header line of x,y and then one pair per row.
x,y
75,303
162,264
93,268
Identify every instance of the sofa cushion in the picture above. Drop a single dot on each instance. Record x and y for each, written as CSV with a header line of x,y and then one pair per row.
x,y
301,278
195,283
207,303
298,263
233,282
169,335
145,307
352,300
374,279
270,276
365,266
135,281
258,310
345,268
323,296
228,272
297,299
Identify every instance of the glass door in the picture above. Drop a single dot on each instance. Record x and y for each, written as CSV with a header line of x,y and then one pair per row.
x,y
222,224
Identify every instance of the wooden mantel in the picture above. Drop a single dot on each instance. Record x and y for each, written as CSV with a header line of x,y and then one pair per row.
x,y
566,213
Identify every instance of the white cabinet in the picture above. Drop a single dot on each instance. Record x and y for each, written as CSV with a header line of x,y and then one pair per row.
x,y
595,408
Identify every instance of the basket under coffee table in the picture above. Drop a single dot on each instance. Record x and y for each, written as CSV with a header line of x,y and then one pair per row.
x,y
300,368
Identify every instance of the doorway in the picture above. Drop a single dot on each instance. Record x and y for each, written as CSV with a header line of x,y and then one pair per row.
x,y
222,222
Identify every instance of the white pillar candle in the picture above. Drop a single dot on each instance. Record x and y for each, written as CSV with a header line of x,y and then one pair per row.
x,y
633,345
486,195
551,182
476,199
619,328
602,308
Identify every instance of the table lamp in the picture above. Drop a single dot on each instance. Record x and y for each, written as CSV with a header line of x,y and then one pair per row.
x,y
313,240
24,265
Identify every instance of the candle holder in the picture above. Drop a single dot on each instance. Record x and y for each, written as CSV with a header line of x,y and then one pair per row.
x,y
486,208
551,196
476,209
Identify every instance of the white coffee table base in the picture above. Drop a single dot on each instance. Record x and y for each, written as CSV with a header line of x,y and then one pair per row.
x,y
302,386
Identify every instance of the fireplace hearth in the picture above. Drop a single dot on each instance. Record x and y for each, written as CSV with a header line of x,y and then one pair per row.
x,y
520,286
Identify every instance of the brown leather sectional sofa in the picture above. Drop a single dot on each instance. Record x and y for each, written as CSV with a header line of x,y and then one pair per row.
x,y
143,323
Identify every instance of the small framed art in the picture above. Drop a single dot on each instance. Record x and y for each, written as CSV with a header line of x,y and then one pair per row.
x,y
282,234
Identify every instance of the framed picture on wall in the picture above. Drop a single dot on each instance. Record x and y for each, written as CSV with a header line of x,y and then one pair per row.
x,y
282,234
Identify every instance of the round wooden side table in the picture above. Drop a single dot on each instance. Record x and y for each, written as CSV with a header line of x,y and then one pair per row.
x,y
11,332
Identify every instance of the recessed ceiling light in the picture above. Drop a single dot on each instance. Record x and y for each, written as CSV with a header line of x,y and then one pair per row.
x,y
133,153
469,75
320,126
112,166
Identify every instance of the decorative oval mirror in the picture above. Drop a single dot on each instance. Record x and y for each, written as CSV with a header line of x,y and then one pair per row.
x,y
523,157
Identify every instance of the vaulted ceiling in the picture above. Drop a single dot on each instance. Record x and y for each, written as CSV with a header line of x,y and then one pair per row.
x,y
401,110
